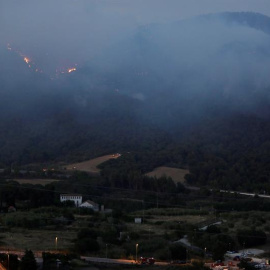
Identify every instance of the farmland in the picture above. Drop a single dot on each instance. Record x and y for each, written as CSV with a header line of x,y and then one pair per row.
x,y
178,175
42,182
90,165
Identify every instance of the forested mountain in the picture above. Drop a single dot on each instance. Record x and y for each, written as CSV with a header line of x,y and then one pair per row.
x,y
194,93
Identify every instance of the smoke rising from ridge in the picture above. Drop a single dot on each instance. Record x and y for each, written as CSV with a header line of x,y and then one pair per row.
x,y
204,62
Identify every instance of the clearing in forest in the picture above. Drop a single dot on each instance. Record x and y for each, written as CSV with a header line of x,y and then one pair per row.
x,y
42,182
91,165
178,175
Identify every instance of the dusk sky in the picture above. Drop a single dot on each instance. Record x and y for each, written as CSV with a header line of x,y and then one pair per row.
x,y
57,28
21,19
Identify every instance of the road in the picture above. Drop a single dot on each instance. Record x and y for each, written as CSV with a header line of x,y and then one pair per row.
x,y
89,259
232,192
115,261
245,193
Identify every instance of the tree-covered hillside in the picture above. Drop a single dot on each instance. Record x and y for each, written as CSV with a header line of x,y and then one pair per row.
x,y
192,94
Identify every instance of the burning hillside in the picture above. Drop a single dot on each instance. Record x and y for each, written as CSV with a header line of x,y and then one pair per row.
x,y
34,67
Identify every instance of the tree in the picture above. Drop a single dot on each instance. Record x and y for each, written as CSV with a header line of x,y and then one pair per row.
x,y
249,238
178,252
87,245
9,261
28,261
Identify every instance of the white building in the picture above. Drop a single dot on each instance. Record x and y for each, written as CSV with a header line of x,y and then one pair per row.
x,y
91,205
76,198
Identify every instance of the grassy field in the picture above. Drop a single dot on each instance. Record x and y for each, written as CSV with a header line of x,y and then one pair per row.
x,y
244,220
90,165
178,175
159,220
36,240
159,225
42,182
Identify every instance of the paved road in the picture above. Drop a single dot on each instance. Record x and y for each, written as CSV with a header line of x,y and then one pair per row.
x,y
115,261
246,193
231,191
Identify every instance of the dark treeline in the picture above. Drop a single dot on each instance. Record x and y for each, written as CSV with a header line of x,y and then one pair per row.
x,y
135,192
142,193
232,153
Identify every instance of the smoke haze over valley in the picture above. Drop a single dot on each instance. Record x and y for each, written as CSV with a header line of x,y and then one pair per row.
x,y
83,78
133,133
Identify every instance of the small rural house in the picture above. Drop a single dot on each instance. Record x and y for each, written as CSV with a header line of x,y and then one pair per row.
x,y
76,198
91,205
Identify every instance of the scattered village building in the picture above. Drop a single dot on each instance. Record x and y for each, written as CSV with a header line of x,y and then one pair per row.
x,y
76,198
138,220
11,209
91,205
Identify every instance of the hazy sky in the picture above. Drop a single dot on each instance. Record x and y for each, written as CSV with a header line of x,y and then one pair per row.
x,y
141,11
144,11
53,29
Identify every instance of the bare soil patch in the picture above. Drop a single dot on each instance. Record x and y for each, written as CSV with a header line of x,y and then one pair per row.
x,y
178,175
91,165
42,182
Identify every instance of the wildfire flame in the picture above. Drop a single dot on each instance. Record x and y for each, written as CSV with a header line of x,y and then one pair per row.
x,y
33,66
26,60
71,70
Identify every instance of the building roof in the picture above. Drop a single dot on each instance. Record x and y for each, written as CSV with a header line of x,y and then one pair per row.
x,y
90,202
70,194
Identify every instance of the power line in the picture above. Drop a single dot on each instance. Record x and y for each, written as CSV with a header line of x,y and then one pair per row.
x,y
127,198
242,196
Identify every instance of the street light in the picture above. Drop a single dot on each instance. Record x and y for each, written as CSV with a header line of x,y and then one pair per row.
x,y
205,252
106,250
8,261
56,243
136,251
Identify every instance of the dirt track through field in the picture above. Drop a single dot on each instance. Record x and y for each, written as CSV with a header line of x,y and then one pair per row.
x,y
91,165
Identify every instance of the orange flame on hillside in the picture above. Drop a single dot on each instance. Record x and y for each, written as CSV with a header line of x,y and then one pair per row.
x,y
71,70
26,60
33,66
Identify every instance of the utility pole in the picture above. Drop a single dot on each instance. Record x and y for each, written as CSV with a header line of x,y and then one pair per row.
x,y
143,211
56,243
136,252
8,260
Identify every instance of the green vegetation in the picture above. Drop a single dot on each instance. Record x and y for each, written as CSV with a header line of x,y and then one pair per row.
x,y
28,261
168,211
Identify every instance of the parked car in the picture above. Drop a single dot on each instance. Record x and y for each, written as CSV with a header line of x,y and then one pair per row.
x,y
260,266
145,260
218,263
